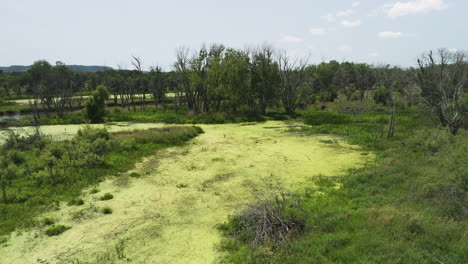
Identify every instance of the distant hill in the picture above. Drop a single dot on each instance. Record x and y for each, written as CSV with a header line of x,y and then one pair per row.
x,y
79,68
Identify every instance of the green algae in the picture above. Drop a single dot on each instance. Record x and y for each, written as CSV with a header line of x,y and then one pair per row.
x,y
63,132
161,223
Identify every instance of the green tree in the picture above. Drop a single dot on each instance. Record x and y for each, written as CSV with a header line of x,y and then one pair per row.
x,y
236,79
157,84
265,78
325,75
95,108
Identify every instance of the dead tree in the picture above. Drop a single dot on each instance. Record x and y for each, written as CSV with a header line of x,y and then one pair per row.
x,y
442,78
293,79
138,85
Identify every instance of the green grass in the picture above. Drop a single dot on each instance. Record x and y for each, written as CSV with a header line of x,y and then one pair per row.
x,y
50,172
56,230
410,207
163,114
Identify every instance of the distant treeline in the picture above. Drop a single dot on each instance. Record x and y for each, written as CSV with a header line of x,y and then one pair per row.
x,y
218,78
79,68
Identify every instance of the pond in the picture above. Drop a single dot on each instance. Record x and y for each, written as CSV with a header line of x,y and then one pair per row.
x,y
7,117
162,222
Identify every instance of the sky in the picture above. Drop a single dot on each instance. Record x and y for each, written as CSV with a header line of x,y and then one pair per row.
x,y
109,32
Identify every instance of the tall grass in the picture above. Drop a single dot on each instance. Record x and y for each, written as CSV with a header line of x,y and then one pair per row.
x,y
50,172
412,207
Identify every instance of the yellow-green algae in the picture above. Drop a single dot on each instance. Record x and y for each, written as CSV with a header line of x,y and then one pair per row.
x,y
156,220
62,132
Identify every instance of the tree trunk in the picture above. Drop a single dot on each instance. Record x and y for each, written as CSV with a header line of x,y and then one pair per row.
x,y
391,128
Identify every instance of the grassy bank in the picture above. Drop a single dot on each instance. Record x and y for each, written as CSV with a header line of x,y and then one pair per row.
x,y
409,208
38,174
163,114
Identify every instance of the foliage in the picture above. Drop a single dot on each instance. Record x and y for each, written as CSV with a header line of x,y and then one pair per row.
x,y
382,95
56,230
107,196
325,117
95,107
106,210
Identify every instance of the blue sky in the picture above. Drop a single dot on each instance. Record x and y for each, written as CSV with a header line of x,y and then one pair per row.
x,y
105,32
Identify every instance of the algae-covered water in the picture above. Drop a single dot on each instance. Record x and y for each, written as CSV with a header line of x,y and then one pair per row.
x,y
169,215
62,132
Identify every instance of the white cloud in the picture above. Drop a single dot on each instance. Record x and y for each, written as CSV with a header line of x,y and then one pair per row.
x,y
390,34
374,54
351,23
414,7
344,13
453,50
318,31
345,48
356,4
290,39
331,17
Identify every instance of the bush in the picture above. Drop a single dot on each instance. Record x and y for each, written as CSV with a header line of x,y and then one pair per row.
x,y
77,201
48,221
382,95
106,210
95,107
276,215
325,117
107,196
135,175
56,230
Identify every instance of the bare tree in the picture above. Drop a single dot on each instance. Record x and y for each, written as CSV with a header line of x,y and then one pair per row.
x,y
182,71
293,79
442,78
138,84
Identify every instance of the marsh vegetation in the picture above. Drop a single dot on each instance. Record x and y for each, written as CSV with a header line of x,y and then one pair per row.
x,y
273,160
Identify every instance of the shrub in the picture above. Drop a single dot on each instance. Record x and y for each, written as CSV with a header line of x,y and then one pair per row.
x,y
77,201
95,107
107,196
276,215
94,190
106,210
321,118
135,175
382,95
48,221
56,230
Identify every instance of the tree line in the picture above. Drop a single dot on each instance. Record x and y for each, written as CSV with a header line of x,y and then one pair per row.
x,y
218,78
